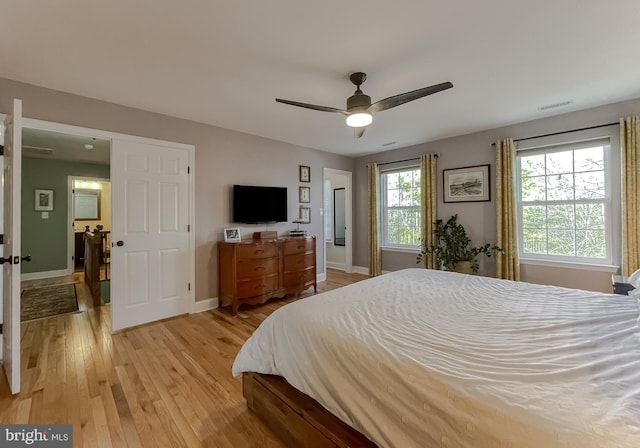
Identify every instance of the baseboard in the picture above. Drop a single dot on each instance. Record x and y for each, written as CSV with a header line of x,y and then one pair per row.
x,y
360,270
321,277
204,305
333,265
44,274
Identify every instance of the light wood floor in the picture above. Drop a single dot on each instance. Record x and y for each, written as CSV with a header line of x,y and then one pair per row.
x,y
165,384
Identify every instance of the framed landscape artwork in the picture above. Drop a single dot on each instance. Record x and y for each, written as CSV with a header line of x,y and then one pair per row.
x,y
468,184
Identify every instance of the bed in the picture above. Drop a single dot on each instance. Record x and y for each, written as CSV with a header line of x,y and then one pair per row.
x,y
420,358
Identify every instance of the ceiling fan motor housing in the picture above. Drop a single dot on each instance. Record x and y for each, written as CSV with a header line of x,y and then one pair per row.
x,y
358,101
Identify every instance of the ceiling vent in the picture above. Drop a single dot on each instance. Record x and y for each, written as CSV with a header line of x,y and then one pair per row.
x,y
555,105
36,151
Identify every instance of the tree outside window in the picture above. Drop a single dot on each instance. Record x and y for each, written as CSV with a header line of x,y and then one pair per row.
x,y
401,209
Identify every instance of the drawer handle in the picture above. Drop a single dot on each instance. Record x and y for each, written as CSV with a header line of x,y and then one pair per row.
x,y
259,251
259,268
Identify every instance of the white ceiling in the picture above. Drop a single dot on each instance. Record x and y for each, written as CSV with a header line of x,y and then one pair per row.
x,y
224,63
54,145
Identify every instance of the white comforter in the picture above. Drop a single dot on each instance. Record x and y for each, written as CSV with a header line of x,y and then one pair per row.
x,y
420,358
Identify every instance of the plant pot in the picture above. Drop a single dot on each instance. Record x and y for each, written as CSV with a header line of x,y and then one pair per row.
x,y
463,267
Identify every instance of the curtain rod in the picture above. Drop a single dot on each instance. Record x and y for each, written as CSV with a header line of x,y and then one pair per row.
x,y
563,132
404,160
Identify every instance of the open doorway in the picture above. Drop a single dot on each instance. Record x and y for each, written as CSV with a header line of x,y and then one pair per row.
x,y
53,281
337,215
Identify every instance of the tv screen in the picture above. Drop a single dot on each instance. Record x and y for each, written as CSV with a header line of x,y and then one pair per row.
x,y
253,205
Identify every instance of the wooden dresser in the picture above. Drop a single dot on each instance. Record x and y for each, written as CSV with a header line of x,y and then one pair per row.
x,y
253,271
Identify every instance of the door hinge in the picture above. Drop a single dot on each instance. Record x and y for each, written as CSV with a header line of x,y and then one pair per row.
x,y
188,227
1,238
189,286
1,150
0,328
188,170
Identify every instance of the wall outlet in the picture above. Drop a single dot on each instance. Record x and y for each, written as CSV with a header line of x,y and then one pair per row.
x,y
45,215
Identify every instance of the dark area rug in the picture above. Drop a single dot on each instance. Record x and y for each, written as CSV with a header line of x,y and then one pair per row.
x,y
47,301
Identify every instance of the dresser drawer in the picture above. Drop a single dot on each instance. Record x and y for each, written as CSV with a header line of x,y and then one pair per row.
x,y
300,278
297,262
296,246
257,250
254,268
257,287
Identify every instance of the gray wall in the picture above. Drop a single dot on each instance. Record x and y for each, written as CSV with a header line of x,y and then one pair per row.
x,y
222,158
46,239
479,217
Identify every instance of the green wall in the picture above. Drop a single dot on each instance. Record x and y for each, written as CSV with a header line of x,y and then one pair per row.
x,y
46,239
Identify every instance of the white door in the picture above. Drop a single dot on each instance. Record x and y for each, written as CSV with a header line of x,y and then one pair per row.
x,y
149,232
11,180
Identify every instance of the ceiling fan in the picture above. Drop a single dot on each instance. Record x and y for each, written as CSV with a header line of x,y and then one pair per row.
x,y
360,111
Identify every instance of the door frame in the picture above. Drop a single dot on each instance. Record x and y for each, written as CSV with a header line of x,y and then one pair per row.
x,y
348,217
109,135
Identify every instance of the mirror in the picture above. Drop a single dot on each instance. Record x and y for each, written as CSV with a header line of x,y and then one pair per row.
x,y
86,205
338,217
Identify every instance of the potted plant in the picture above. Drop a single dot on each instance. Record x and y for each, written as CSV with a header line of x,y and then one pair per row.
x,y
453,248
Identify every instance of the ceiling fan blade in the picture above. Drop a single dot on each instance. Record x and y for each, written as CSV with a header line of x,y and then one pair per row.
x,y
359,132
402,98
312,106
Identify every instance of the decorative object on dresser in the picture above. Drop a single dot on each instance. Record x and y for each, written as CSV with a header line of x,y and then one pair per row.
x,y
252,272
304,194
305,173
232,234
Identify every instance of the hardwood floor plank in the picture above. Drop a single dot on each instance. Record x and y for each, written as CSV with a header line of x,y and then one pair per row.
x,y
164,384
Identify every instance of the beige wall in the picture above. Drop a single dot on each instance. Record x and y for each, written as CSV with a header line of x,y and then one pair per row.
x,y
479,217
222,158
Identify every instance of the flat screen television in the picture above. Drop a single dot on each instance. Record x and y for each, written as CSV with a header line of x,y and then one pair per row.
x,y
254,205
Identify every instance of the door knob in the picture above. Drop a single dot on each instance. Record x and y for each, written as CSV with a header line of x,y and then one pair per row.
x,y
120,243
27,258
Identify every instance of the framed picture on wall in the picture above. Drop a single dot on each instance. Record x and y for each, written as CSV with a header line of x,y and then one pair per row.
x,y
43,201
468,184
305,173
305,215
304,194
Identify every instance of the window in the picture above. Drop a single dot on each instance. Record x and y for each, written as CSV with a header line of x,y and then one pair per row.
x,y
400,214
564,203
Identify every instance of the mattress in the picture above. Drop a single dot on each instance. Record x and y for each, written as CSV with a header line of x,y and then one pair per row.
x,y
420,358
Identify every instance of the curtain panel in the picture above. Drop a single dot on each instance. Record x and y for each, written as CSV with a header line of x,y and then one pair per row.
x,y
629,154
373,190
428,196
507,264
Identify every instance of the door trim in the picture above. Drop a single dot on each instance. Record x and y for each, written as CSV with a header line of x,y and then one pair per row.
x,y
89,132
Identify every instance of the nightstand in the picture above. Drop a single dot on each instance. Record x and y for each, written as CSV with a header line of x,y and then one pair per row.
x,y
621,285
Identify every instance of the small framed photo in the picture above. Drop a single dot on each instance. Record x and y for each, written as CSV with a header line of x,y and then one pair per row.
x,y
231,234
468,184
305,173
304,194
305,215
43,200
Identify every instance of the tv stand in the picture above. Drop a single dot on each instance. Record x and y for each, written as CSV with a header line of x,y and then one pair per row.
x,y
254,271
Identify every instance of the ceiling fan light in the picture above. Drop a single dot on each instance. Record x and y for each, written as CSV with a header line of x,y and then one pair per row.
x,y
359,119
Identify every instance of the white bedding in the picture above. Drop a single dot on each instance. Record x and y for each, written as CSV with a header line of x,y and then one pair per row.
x,y
421,358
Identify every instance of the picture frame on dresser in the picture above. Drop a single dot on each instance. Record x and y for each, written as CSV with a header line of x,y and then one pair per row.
x,y
231,234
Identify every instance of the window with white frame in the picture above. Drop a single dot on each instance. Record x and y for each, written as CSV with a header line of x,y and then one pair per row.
x,y
400,211
564,203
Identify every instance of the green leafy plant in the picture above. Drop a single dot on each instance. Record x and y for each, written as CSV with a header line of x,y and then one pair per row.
x,y
453,245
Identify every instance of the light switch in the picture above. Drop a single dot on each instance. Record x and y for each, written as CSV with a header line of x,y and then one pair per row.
x,y
45,215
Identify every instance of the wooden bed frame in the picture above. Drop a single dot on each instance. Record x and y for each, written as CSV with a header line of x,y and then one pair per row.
x,y
297,419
